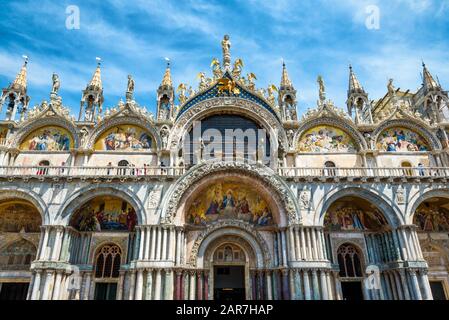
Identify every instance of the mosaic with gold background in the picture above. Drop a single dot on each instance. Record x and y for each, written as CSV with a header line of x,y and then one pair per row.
x,y
16,216
326,139
48,139
125,138
353,218
401,140
230,200
105,214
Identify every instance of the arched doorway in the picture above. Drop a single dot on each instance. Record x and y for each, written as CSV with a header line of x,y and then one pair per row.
x,y
432,220
229,263
21,222
95,222
357,236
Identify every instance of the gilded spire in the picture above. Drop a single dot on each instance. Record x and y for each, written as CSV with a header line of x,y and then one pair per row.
x,y
429,81
166,81
20,83
285,80
95,83
354,84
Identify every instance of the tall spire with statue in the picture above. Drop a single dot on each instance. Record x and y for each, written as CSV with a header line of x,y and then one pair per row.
x,y
287,97
92,98
16,94
436,101
358,104
166,96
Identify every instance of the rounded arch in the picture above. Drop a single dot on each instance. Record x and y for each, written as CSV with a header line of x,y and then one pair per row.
x,y
109,124
29,196
352,131
83,195
387,207
41,123
411,124
417,199
226,105
239,230
179,191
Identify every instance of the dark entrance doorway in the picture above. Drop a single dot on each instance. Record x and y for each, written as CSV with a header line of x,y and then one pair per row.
x,y
437,289
352,290
14,291
105,291
229,283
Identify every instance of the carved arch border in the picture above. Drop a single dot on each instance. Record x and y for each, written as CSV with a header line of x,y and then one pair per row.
x,y
333,122
227,228
177,191
411,124
110,123
233,105
389,210
83,195
57,121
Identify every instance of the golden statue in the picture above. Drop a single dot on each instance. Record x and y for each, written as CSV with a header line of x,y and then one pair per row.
x,y
251,85
182,89
237,69
271,90
227,85
204,81
216,69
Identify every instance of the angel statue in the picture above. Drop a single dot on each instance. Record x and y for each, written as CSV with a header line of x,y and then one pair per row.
x,y
271,90
251,85
182,89
130,84
204,81
191,92
322,89
237,69
56,84
216,69
390,86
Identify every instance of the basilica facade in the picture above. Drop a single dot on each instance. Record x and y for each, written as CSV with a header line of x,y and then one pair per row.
x,y
122,204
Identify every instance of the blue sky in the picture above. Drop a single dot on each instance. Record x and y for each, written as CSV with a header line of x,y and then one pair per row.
x,y
133,37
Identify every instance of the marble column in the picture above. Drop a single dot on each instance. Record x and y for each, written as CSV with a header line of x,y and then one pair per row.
x,y
153,243
303,245
337,284
178,284
149,285
164,244
87,286
307,289
292,248
404,282
132,283
206,285
426,286
269,285
298,285
297,244
158,286
416,289
139,285
323,282
199,285
48,285
44,250
121,281
36,286
168,293
316,286
192,285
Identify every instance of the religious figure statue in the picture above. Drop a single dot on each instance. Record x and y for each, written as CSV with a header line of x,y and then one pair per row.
x,y
390,86
226,45
322,89
251,84
204,81
56,84
164,136
271,90
130,84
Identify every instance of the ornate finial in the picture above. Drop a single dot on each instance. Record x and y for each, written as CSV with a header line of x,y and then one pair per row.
x,y
96,83
226,46
167,81
428,80
285,80
20,83
354,84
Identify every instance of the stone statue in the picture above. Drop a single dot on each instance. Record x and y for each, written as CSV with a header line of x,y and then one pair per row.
x,y
322,89
130,84
56,84
390,86
164,136
226,45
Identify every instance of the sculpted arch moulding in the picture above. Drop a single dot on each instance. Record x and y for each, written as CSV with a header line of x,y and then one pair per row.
x,y
263,174
232,105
